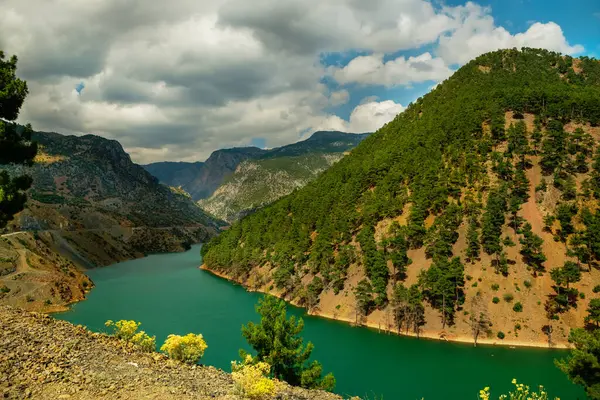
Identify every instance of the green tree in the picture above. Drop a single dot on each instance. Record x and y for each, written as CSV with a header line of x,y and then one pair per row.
x,y
593,312
15,141
531,248
583,365
363,292
567,274
276,340
472,240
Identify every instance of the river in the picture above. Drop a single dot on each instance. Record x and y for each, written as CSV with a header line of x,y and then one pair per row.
x,y
168,293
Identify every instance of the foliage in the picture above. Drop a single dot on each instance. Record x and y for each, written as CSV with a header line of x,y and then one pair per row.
x,y
593,312
408,308
251,379
277,342
521,392
443,285
583,365
568,273
518,307
128,330
189,348
531,248
501,335
15,141
495,300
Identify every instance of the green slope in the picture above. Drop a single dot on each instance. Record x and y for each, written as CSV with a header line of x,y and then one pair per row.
x,y
442,157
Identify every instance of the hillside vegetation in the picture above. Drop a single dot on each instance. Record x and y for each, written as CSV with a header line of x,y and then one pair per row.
x,y
276,173
471,214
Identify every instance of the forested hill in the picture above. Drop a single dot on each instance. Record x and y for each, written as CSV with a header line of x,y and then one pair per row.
x,y
485,188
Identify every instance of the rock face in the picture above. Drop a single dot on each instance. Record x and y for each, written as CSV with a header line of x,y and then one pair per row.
x,y
90,182
201,179
42,358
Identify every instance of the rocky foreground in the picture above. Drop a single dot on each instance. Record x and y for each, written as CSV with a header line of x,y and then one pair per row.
x,y
43,358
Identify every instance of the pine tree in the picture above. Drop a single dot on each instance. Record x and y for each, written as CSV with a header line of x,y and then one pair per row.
x,y
472,240
532,248
15,141
276,341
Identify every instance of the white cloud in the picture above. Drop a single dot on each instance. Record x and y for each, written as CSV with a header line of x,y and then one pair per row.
x,y
372,70
476,33
366,117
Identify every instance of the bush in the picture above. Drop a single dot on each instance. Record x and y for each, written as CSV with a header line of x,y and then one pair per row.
x,y
251,379
596,289
495,300
127,330
508,297
4,289
581,295
501,335
518,307
527,284
189,348
495,287
29,298
48,302
522,392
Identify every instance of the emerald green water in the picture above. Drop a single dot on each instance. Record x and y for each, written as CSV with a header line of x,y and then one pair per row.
x,y
169,294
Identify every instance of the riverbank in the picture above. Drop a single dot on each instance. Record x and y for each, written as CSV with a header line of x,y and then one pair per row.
x,y
44,358
424,334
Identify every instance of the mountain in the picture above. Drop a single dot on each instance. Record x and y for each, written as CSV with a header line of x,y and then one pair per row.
x,y
276,173
89,206
472,215
200,179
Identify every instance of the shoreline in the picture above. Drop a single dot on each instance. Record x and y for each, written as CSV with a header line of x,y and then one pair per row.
x,y
429,335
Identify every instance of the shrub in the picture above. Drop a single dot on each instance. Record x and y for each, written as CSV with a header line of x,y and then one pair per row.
x,y
189,348
495,287
508,297
522,392
127,330
48,302
29,298
518,307
501,335
581,295
495,300
527,283
251,379
4,289
123,329
517,327
468,277
596,289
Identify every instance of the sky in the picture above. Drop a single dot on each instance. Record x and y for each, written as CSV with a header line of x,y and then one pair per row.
x,y
177,80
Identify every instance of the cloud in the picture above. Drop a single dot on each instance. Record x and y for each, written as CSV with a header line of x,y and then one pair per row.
x,y
372,70
339,97
476,33
366,117
178,82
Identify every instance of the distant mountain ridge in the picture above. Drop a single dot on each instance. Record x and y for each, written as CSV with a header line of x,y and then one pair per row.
x,y
201,179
